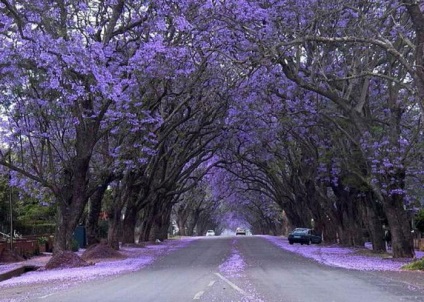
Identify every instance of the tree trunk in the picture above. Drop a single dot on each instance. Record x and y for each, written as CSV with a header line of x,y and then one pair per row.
x,y
402,241
146,223
72,195
65,226
114,229
329,232
93,233
166,221
154,231
417,18
374,224
71,203
295,219
160,222
182,227
195,215
182,217
95,202
128,225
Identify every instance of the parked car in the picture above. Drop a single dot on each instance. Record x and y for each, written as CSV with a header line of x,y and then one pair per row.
x,y
304,236
210,233
240,231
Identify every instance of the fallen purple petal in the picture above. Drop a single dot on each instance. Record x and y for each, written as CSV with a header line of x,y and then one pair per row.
x,y
234,265
342,256
137,258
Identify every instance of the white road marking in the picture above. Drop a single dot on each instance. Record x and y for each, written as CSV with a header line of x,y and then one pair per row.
x,y
43,297
232,285
198,295
211,283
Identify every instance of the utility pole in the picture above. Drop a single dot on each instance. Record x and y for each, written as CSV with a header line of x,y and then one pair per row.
x,y
10,204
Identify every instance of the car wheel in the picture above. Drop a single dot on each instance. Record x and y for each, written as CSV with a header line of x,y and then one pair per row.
x,y
290,242
309,242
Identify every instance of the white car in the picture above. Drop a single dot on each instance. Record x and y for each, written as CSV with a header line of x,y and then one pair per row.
x,y
240,231
210,233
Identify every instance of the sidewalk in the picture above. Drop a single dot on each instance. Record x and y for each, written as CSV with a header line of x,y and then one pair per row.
x,y
136,258
8,271
346,257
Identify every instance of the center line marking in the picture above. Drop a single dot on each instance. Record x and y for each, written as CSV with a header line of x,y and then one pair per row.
x,y
198,295
232,285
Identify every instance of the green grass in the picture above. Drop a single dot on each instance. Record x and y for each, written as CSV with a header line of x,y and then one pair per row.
x,y
415,265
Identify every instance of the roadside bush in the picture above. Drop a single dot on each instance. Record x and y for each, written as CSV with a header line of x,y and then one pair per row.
x,y
36,229
415,265
75,245
419,221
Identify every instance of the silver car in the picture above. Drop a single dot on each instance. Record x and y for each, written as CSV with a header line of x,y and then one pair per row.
x,y
210,233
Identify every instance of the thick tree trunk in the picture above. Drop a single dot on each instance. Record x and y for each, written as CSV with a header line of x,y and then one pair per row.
x,y
65,226
272,228
329,232
72,196
354,230
295,219
182,216
374,224
146,223
113,233
181,227
154,232
128,225
417,18
195,216
166,221
95,206
155,229
71,203
132,196
402,241
349,214
160,222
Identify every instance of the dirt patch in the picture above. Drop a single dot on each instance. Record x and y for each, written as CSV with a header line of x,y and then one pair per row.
x,y
8,256
135,245
101,251
371,253
66,259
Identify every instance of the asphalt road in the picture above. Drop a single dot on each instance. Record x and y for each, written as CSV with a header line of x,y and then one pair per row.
x,y
270,274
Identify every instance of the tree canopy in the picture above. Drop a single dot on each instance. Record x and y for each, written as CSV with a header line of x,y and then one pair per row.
x,y
267,113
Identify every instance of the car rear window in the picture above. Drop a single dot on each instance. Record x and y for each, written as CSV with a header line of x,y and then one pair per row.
x,y
300,231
